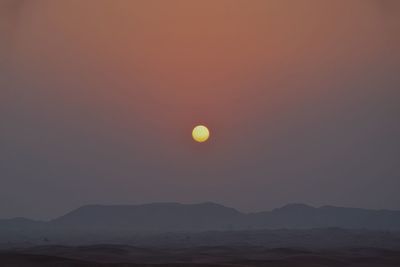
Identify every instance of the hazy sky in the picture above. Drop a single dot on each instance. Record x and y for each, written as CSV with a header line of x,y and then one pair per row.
x,y
98,99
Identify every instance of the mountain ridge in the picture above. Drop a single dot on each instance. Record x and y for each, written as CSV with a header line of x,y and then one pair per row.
x,y
174,216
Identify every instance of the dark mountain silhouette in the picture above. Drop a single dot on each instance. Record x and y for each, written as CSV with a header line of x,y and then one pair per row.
x,y
304,216
164,217
152,217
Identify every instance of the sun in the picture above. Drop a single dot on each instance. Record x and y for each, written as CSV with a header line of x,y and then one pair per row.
x,y
201,133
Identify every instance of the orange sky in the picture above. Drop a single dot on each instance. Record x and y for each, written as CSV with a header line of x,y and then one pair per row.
x,y
109,90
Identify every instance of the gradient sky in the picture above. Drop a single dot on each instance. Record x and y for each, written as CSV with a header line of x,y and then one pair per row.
x,y
98,99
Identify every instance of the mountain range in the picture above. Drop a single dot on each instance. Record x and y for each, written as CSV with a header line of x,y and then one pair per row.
x,y
170,217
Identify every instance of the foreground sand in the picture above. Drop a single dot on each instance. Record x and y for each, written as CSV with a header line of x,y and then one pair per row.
x,y
119,255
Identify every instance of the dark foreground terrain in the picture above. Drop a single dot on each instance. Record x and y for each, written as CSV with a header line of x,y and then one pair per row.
x,y
205,234
276,248
119,255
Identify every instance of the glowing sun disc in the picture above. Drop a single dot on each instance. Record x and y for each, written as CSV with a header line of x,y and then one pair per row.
x,y
200,133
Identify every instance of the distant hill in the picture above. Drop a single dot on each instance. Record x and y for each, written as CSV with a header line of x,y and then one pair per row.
x,y
300,216
152,217
170,217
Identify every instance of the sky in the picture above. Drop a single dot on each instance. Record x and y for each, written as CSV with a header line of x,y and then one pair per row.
x,y
98,99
